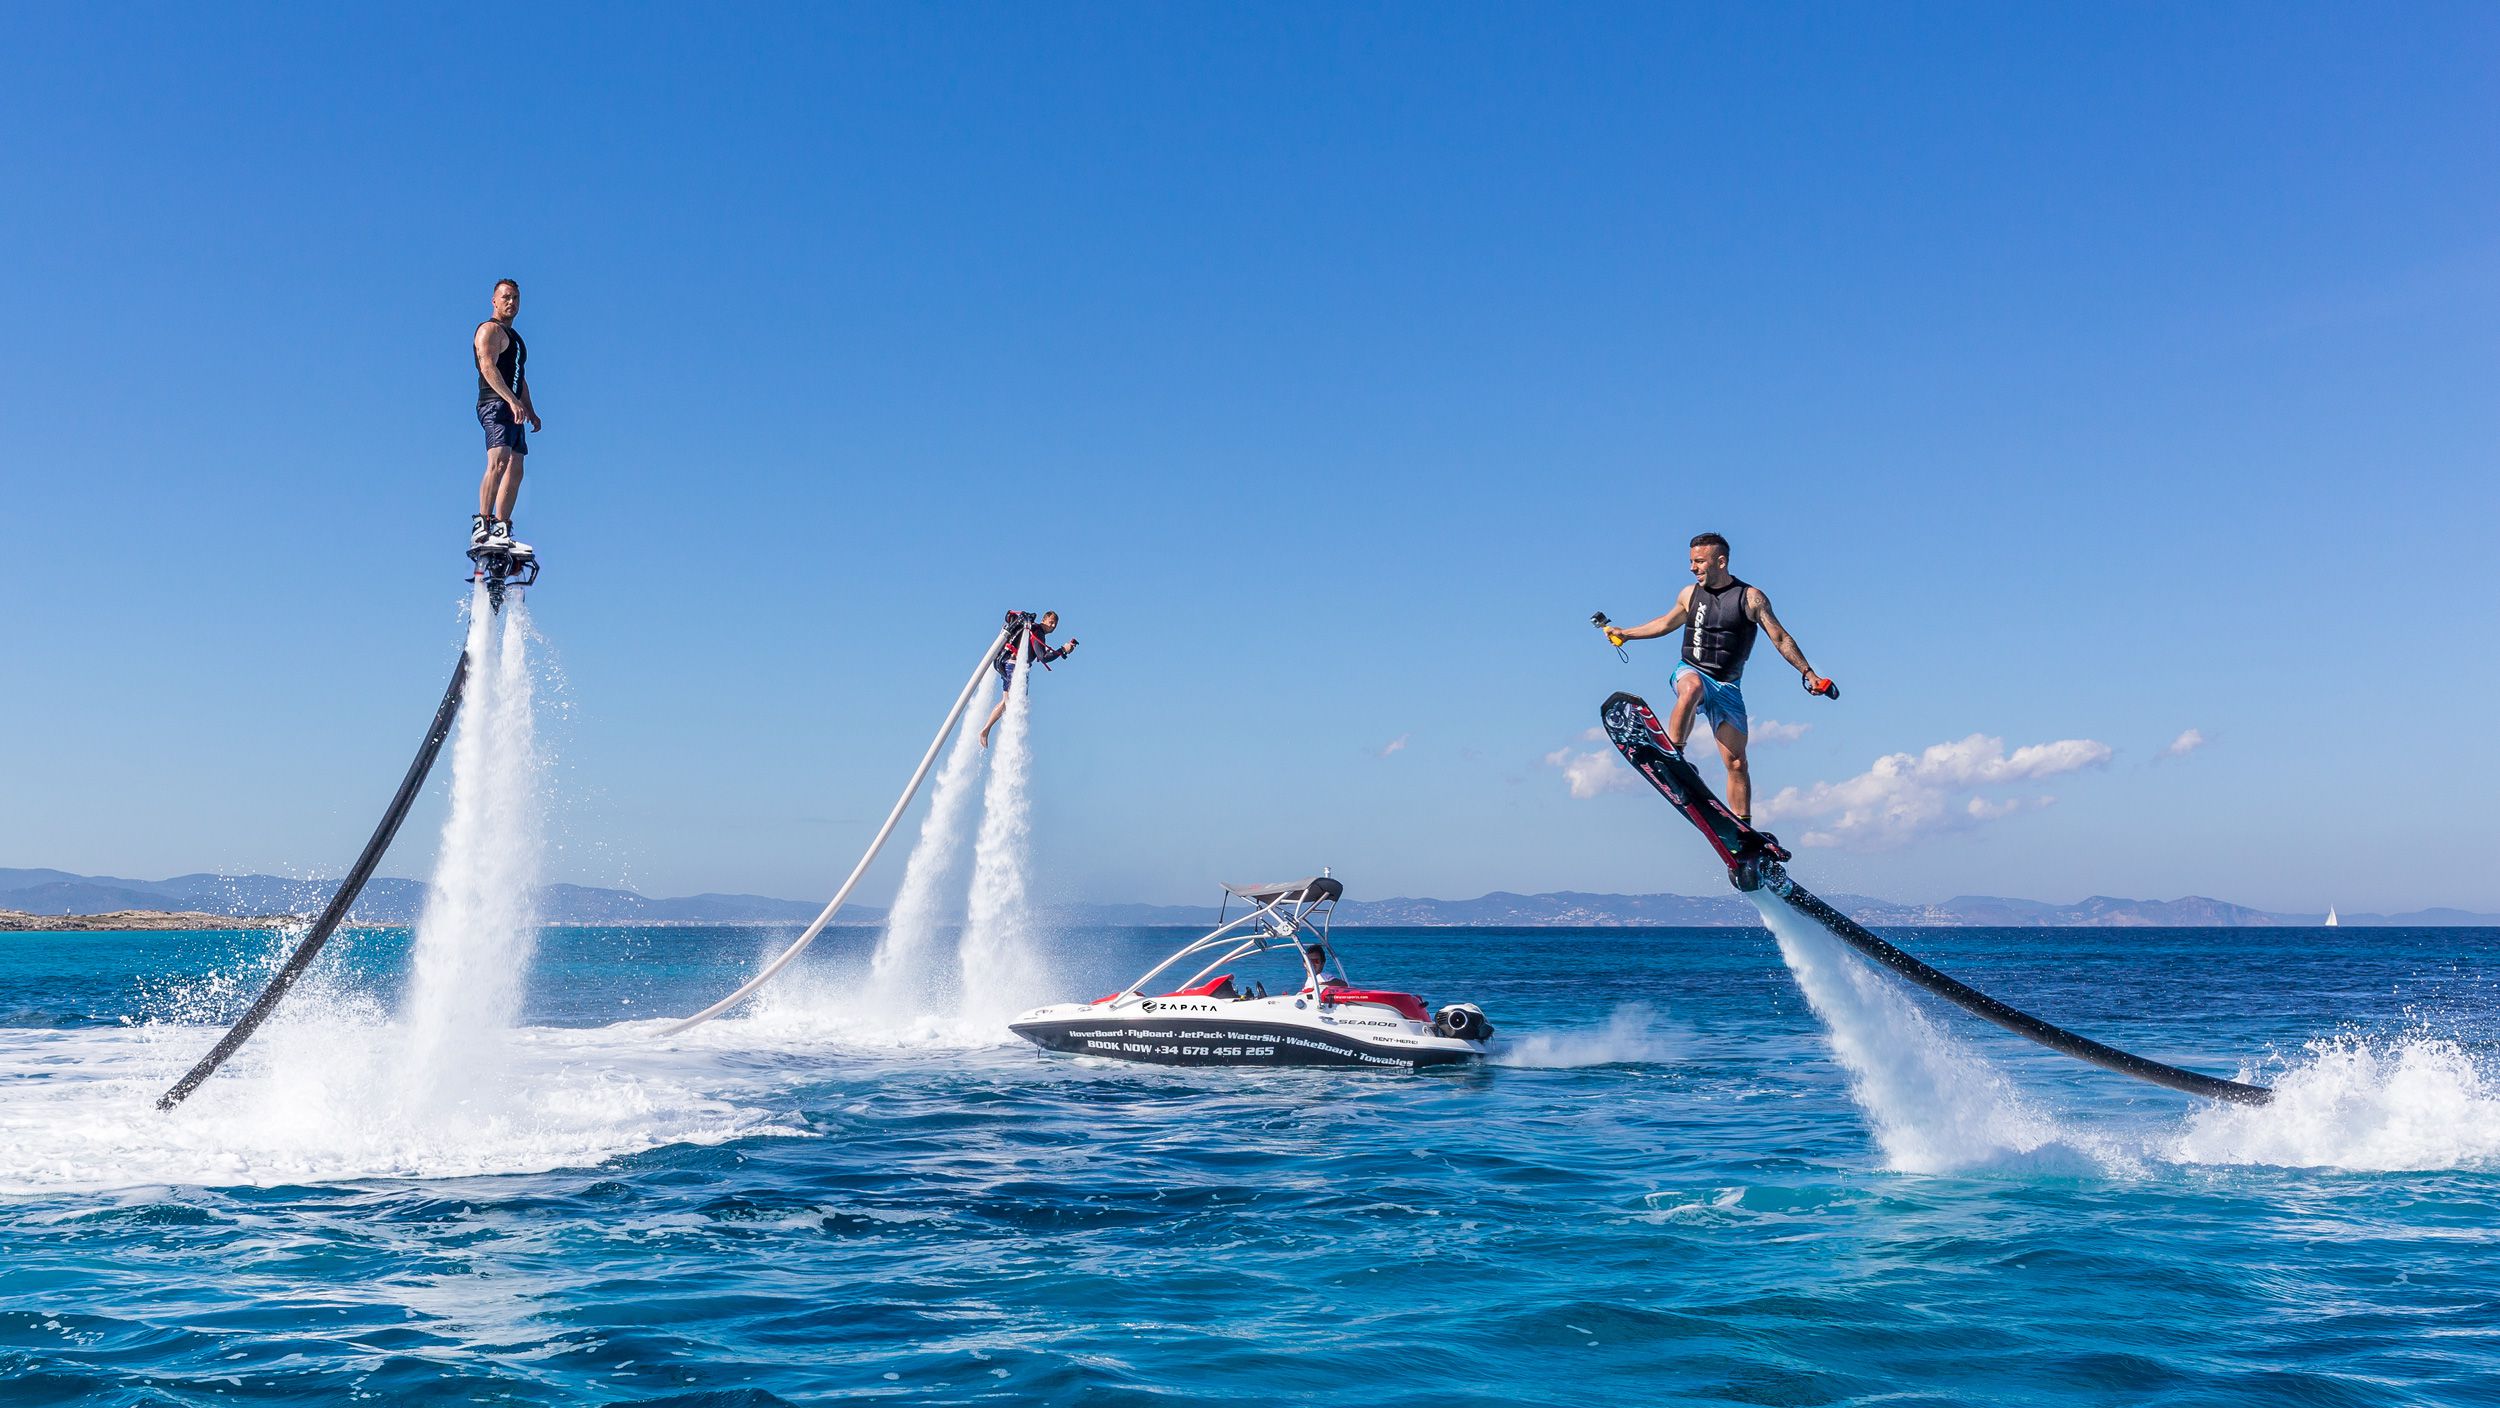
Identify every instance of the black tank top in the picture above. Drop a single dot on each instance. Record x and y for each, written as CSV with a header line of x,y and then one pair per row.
x,y
1721,635
516,354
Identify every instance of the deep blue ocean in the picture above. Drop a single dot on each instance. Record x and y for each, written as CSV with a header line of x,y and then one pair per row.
x,y
1680,1184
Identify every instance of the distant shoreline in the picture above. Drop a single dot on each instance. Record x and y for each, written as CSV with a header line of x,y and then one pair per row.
x,y
131,921
16,921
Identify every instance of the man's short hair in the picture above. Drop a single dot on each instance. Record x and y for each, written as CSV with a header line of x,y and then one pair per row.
x,y
502,284
1710,540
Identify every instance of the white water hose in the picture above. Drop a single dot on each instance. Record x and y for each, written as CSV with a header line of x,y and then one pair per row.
x,y
911,790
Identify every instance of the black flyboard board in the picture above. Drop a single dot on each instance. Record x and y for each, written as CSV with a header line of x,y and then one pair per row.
x,y
1753,863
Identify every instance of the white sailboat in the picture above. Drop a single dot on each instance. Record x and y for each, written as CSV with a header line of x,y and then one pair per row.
x,y
2331,920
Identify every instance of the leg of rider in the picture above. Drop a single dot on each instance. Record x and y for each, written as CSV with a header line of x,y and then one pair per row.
x,y
1687,699
997,711
510,488
1739,772
493,481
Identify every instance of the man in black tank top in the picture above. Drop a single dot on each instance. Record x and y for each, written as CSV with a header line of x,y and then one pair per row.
x,y
503,402
1719,617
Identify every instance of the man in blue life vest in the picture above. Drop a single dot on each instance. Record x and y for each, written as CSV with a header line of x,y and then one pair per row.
x,y
503,403
1719,616
1034,638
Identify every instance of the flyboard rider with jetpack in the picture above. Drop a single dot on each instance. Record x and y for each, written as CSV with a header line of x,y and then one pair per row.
x,y
1033,639
1719,616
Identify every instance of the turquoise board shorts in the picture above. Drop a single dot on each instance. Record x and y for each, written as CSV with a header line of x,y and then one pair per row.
x,y
1721,703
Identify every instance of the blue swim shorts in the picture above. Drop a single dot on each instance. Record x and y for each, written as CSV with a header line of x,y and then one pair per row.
x,y
1721,702
502,431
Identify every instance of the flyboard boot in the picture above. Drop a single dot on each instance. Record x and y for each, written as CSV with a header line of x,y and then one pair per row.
x,y
499,560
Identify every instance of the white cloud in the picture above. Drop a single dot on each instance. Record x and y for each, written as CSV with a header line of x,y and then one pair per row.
x,y
1393,745
2186,743
1773,731
1982,809
1593,774
1904,796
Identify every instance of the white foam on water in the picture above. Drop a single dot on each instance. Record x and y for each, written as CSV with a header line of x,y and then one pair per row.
x,y
1936,1105
480,924
315,1099
1631,1034
1000,953
2362,1103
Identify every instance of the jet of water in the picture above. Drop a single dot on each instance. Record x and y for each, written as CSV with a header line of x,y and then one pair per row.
x,y
1000,959
480,922
904,980
1935,1104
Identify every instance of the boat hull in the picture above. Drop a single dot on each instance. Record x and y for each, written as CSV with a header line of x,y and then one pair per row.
x,y
1199,1040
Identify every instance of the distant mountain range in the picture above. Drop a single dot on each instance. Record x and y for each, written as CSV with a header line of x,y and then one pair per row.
x,y
1571,908
389,901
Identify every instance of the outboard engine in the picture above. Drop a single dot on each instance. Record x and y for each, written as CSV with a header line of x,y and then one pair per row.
x,y
1462,1021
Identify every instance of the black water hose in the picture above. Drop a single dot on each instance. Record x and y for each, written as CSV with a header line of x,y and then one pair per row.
x,y
341,900
1970,999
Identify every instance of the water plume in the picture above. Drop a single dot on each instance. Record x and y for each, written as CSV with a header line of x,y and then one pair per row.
x,y
1935,1104
480,923
905,976
1000,963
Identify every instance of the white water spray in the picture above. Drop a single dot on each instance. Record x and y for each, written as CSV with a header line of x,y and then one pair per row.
x,y
1632,1034
1001,968
1935,1104
904,977
480,922
2416,1102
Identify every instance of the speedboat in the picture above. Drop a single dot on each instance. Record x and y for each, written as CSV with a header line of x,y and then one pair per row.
x,y
1219,1015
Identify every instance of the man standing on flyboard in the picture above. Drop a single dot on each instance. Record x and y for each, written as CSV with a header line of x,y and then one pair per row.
x,y
1720,616
503,402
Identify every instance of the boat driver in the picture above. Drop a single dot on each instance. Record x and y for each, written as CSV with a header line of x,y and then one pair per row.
x,y
1315,959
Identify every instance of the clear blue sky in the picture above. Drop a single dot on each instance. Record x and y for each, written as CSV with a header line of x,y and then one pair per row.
x,y
2090,373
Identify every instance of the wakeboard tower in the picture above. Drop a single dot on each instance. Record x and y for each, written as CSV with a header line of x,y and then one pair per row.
x,y
1219,1016
1756,864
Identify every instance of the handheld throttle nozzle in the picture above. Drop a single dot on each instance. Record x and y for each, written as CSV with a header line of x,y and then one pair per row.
x,y
1614,637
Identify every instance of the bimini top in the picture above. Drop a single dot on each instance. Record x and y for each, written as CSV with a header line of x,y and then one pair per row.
x,y
1310,891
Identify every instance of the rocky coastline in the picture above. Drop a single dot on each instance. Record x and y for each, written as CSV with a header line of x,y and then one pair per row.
x,y
18,921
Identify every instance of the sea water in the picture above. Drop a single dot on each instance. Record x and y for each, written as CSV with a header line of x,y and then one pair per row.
x,y
1694,1175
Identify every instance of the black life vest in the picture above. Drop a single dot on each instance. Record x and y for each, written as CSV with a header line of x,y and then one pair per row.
x,y
516,355
1721,635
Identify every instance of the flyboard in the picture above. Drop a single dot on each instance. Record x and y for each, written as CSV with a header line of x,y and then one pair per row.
x,y
498,570
1756,863
1017,621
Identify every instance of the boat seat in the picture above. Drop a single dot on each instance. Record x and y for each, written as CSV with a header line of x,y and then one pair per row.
x,y
1221,985
1405,1004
